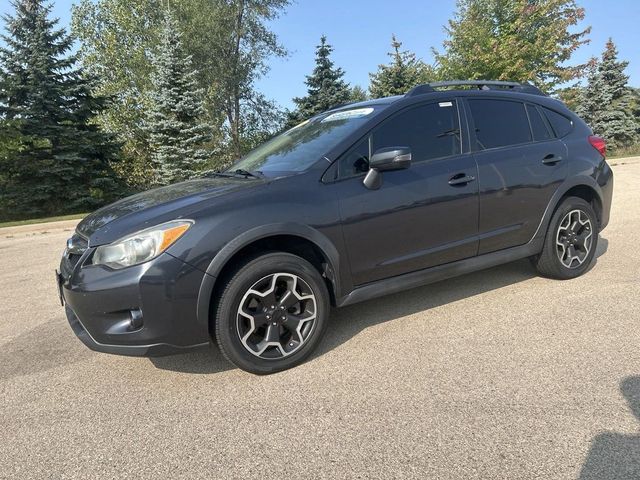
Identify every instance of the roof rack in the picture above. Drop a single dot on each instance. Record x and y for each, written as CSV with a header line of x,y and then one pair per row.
x,y
480,84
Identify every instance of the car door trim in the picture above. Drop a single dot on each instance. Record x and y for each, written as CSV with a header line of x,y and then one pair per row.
x,y
441,272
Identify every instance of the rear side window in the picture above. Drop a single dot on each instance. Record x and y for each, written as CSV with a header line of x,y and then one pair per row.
x,y
431,131
499,123
538,126
560,124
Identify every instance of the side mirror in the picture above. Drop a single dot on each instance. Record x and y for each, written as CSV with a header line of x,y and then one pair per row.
x,y
386,159
391,158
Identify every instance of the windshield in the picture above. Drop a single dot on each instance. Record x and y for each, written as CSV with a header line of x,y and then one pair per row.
x,y
300,147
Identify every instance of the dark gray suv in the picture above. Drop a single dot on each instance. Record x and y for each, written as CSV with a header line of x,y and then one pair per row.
x,y
361,201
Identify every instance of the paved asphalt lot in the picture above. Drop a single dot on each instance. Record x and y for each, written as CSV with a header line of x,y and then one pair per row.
x,y
497,374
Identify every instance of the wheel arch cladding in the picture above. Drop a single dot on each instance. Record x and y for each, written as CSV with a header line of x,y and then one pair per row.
x,y
300,240
589,194
584,187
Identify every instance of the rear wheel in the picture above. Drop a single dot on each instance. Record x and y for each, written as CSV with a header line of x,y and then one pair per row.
x,y
272,313
571,240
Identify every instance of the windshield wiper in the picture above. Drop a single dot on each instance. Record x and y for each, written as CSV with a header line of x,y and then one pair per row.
x,y
217,174
234,173
247,173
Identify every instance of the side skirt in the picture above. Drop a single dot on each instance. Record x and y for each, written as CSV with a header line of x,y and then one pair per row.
x,y
440,272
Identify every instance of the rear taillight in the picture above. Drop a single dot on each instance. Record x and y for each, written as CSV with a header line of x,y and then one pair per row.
x,y
599,144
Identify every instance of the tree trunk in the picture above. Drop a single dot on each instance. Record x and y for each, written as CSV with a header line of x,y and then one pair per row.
x,y
235,101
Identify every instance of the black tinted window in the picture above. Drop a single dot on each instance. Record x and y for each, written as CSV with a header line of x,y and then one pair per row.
x,y
561,124
431,131
499,123
355,161
538,125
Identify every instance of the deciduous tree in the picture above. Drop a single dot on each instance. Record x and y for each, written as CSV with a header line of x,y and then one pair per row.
x,y
520,40
232,45
117,39
230,42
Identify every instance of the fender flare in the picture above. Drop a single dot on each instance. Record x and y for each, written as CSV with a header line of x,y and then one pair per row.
x,y
246,238
568,184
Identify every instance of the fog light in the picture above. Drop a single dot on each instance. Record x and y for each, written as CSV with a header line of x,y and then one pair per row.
x,y
135,321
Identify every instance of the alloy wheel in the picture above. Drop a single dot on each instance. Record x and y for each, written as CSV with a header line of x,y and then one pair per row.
x,y
276,316
574,239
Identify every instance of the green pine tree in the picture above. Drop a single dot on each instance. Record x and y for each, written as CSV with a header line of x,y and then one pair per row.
x,y
176,131
358,94
605,103
635,109
63,163
403,73
326,87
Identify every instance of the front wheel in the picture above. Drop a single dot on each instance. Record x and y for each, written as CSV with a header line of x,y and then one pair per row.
x,y
571,241
272,313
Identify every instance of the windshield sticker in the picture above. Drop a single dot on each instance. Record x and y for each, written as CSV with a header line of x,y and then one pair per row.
x,y
348,114
445,104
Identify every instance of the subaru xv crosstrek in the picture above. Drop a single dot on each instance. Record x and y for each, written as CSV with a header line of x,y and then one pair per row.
x,y
363,200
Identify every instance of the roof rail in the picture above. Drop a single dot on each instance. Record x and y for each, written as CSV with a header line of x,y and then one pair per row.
x,y
480,84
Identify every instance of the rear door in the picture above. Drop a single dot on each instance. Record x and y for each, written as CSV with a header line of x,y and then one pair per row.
x,y
420,217
520,165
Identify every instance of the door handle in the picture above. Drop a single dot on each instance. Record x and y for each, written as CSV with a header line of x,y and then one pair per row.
x,y
551,159
461,179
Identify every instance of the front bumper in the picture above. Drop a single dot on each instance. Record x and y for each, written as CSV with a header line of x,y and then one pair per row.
x,y
154,350
160,295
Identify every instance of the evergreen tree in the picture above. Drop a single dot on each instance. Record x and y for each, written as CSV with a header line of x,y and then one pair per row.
x,y
605,103
63,163
358,94
635,109
174,123
403,73
326,88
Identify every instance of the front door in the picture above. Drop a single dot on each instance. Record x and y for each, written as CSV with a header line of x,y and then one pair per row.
x,y
420,217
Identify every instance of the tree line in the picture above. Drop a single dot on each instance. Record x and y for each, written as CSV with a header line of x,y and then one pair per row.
x,y
155,93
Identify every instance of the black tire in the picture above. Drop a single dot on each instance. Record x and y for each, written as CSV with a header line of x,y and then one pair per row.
x,y
229,321
548,262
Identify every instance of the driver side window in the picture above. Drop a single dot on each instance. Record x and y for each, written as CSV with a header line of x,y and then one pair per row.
x,y
431,131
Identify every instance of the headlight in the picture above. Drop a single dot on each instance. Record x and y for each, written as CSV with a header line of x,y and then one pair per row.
x,y
141,246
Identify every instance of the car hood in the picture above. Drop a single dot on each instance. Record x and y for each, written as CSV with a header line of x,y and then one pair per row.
x,y
156,206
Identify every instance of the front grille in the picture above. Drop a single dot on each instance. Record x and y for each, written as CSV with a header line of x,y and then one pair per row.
x,y
73,259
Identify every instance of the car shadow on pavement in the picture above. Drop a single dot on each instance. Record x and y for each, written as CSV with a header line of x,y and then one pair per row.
x,y
601,249
346,322
205,360
616,455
